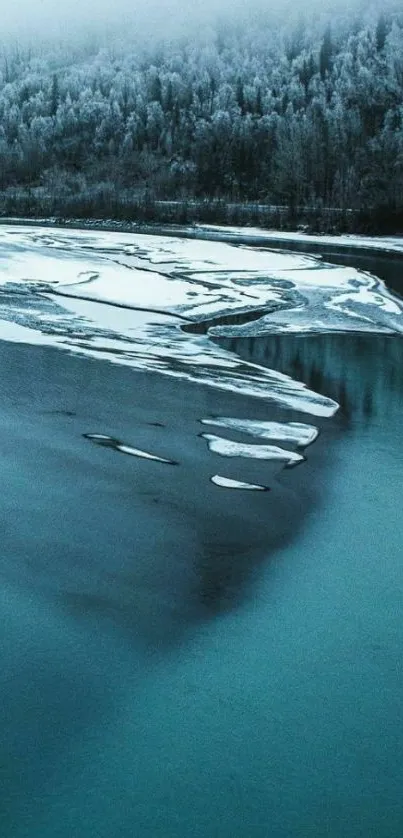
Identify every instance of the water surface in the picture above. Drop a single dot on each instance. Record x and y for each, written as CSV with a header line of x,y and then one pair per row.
x,y
182,658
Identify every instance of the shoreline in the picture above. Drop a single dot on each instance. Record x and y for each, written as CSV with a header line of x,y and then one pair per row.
x,y
351,244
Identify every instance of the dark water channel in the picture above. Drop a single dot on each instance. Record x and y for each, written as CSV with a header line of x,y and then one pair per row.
x,y
179,660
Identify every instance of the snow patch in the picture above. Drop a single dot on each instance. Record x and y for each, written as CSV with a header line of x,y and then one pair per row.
x,y
228,448
59,287
295,433
111,442
226,483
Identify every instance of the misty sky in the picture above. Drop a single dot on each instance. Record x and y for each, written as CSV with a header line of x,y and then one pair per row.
x,y
50,17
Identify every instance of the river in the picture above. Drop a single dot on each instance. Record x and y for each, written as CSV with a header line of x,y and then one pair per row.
x,y
183,660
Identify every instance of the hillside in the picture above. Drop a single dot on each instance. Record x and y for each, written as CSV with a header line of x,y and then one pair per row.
x,y
303,112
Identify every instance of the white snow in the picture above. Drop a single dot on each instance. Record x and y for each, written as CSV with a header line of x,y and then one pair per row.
x,y
148,272
194,279
387,243
227,483
155,344
110,442
228,448
292,432
136,452
58,288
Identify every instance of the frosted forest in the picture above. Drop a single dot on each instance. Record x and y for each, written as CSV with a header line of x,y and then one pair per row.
x,y
298,115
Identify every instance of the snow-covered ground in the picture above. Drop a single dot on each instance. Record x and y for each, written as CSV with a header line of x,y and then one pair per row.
x,y
62,287
197,279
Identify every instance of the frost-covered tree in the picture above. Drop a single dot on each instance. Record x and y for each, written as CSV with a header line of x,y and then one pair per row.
x,y
305,111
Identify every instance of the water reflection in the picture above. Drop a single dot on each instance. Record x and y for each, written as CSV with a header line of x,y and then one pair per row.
x,y
361,372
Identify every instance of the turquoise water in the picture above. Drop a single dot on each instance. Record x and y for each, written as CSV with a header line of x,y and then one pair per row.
x,y
280,717
252,696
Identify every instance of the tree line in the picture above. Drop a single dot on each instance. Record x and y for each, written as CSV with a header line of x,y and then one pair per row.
x,y
306,114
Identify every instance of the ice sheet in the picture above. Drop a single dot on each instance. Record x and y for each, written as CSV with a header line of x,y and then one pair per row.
x,y
192,279
123,297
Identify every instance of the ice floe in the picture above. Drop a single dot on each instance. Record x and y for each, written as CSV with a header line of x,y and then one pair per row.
x,y
227,483
295,433
191,278
61,287
110,442
229,448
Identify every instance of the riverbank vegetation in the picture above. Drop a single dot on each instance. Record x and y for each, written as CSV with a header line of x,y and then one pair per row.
x,y
273,120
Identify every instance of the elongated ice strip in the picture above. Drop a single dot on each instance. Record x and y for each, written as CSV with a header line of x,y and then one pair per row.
x,y
229,448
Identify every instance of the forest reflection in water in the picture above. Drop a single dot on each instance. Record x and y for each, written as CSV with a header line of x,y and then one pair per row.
x,y
362,372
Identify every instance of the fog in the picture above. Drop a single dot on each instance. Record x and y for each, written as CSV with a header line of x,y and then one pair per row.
x,y
48,16
162,17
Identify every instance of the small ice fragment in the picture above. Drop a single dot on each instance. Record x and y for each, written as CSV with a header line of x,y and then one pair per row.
x,y
226,483
229,448
111,442
136,452
296,433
